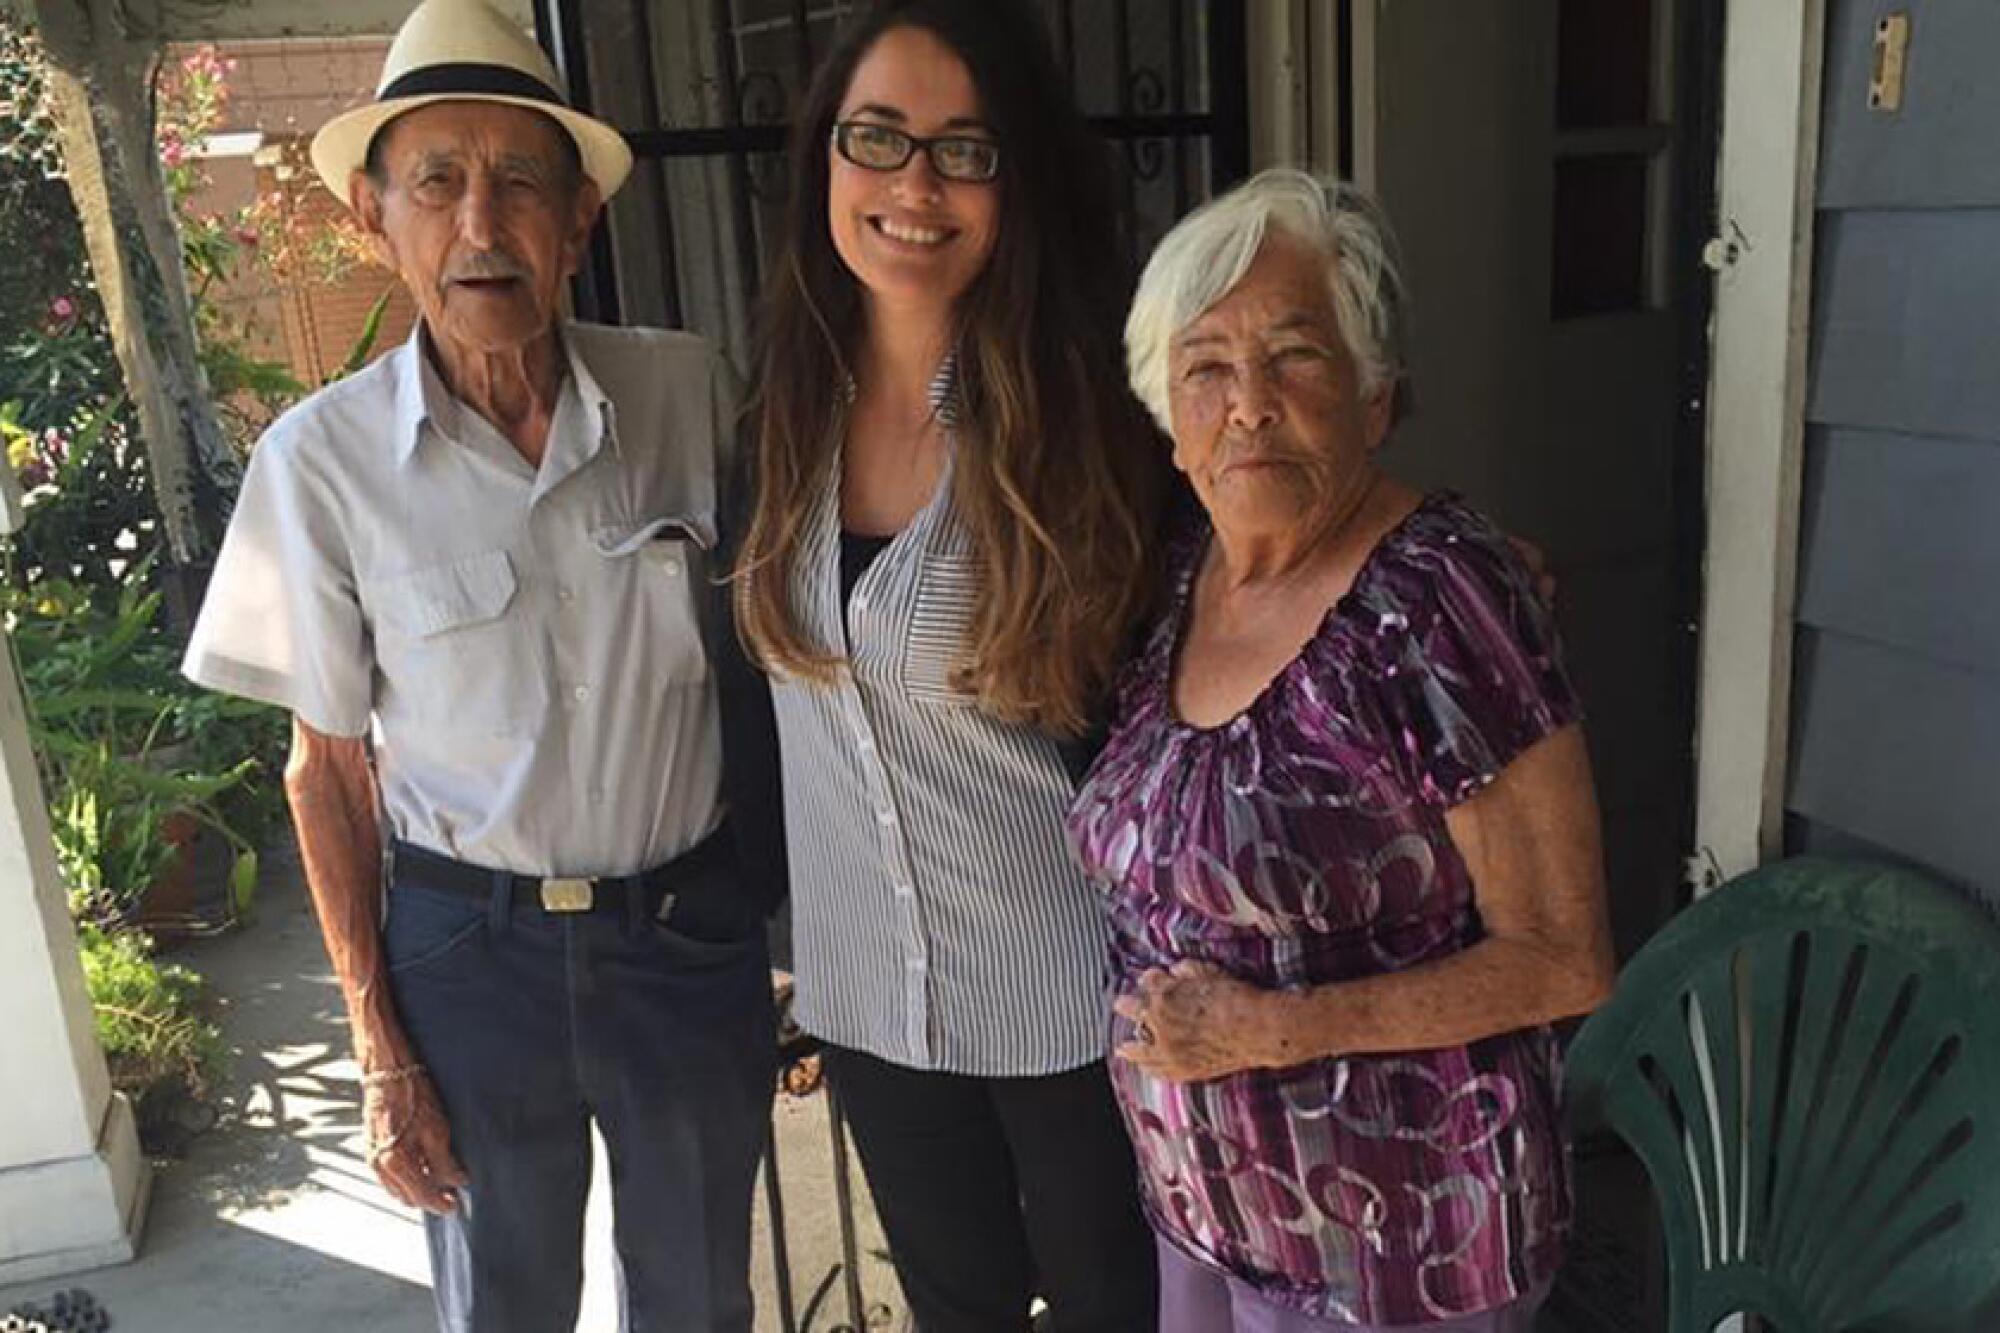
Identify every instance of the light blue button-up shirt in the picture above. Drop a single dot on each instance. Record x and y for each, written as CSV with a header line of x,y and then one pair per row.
x,y
522,642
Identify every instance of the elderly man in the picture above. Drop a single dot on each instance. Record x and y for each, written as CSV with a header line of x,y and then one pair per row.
x,y
474,573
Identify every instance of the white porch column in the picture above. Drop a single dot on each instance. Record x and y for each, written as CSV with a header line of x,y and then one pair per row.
x,y
72,1183
1772,53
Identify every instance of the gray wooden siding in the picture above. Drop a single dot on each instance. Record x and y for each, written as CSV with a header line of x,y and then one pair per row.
x,y
1938,150
1906,305
1896,689
1902,544
1901,751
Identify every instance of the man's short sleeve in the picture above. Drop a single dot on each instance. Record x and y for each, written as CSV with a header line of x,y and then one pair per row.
x,y
281,622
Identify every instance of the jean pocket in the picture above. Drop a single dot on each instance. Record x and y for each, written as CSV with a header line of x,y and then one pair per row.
x,y
424,928
689,951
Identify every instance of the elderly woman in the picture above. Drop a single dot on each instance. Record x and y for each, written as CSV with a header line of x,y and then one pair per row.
x,y
1344,821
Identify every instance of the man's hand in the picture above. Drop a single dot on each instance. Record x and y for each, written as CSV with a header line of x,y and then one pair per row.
x,y
409,1142
1195,1022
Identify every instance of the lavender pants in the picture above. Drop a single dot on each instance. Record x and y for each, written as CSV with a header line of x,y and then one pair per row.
x,y
1194,1299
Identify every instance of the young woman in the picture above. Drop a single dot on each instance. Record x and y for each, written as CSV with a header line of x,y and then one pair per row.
x,y
944,560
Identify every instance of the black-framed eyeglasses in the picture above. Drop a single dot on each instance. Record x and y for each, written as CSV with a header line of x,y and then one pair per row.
x,y
956,157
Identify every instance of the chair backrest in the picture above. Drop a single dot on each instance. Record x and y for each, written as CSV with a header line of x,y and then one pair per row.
x,y
1807,1062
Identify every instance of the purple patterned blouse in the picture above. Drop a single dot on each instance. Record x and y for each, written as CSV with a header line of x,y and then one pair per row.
x,y
1304,842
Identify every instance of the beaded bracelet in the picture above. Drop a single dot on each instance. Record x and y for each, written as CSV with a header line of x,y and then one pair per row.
x,y
383,1077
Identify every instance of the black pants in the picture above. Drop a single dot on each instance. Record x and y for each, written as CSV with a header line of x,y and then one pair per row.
x,y
995,1190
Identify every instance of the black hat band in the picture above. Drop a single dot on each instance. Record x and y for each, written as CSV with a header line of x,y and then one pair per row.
x,y
493,80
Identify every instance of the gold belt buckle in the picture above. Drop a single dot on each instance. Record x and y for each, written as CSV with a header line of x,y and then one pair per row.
x,y
568,895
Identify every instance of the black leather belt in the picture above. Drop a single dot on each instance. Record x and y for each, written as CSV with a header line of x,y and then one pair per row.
x,y
702,872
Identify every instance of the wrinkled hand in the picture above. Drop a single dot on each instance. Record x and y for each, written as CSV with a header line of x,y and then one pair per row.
x,y
1194,1022
409,1144
1537,562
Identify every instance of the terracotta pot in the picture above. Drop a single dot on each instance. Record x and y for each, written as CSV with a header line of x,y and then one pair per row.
x,y
190,895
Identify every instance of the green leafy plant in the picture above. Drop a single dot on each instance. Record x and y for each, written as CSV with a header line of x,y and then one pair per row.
x,y
130,753
126,744
364,343
148,1015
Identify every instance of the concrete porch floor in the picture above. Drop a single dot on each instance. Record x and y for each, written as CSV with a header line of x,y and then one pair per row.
x,y
273,1221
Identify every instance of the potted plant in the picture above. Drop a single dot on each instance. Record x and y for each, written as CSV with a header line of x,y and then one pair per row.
x,y
151,782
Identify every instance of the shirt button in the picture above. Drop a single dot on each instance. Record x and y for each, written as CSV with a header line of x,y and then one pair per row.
x,y
672,564
916,965
904,891
860,602
885,815
580,693
565,594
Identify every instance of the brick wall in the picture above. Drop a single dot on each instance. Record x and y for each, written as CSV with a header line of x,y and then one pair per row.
x,y
322,322
287,88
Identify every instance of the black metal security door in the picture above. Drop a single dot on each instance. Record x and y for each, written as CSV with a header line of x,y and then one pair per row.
x,y
705,89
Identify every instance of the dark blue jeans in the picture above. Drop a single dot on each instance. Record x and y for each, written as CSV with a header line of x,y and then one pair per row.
x,y
532,1026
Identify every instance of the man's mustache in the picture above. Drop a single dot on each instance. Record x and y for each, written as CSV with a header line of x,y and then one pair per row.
x,y
488,265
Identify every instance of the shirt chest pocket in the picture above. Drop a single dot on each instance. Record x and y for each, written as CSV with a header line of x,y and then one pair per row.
x,y
665,564
449,649
941,615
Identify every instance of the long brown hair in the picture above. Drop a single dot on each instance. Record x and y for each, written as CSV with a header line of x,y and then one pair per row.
x,y
1058,473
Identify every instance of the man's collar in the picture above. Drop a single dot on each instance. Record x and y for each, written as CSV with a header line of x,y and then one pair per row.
x,y
595,400
583,420
422,396
417,387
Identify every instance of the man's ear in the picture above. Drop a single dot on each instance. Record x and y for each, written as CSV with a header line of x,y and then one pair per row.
x,y
589,205
366,202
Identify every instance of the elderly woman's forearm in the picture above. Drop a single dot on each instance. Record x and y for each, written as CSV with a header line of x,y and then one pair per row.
x,y
1496,986
1530,841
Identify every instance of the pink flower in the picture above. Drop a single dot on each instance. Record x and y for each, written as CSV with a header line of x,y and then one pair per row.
x,y
63,308
173,152
247,236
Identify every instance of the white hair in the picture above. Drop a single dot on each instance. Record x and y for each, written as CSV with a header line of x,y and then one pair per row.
x,y
1208,252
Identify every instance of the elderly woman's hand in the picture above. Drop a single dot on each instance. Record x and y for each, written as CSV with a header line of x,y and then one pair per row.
x,y
1195,1022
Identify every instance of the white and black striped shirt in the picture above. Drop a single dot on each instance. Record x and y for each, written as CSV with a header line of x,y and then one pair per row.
x,y
939,919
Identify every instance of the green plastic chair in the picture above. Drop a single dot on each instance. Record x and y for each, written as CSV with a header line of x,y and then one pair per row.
x,y
1807,1062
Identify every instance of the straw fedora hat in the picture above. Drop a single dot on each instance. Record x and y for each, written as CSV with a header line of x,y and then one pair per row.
x,y
465,51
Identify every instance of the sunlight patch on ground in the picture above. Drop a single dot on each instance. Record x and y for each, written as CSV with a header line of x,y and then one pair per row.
x,y
346,1218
